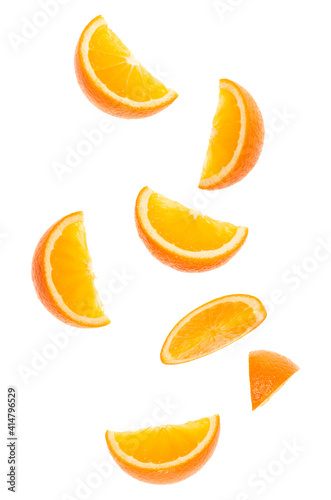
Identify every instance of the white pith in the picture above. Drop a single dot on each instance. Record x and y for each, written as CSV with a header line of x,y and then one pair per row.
x,y
214,179
48,269
84,51
202,254
166,465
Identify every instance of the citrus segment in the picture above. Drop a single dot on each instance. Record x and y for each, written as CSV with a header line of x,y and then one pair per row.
x,y
211,327
183,238
165,454
63,277
268,372
113,79
236,138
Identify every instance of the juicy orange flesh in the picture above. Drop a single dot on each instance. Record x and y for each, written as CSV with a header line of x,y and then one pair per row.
x,y
224,136
212,329
116,68
185,228
159,445
72,273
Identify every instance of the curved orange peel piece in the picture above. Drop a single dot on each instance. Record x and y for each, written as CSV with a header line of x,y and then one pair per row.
x,y
166,454
63,277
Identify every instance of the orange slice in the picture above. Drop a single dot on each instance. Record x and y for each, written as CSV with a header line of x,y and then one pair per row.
x,y
211,327
165,454
183,238
63,277
112,78
268,372
236,138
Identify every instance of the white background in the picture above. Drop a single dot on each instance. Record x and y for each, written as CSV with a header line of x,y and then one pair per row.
x,y
112,378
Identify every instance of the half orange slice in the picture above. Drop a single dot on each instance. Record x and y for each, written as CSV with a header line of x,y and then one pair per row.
x,y
268,372
211,327
183,238
166,454
63,277
236,138
112,78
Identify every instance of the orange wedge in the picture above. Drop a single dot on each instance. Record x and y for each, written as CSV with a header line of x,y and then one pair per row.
x,y
166,454
268,372
183,238
211,327
63,277
112,78
236,138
